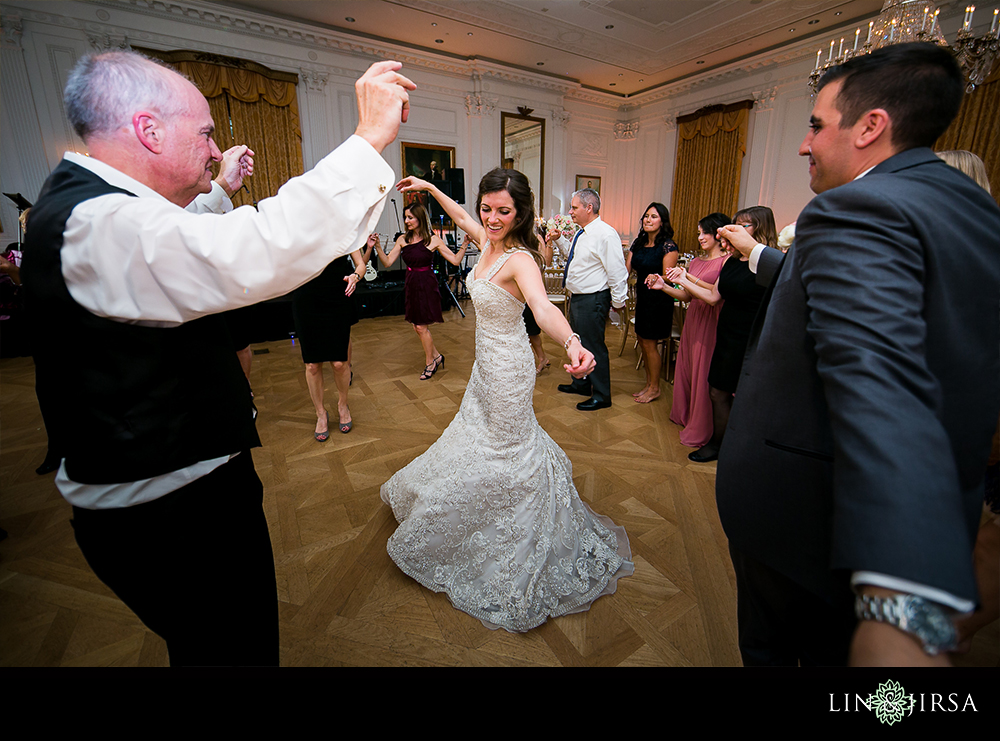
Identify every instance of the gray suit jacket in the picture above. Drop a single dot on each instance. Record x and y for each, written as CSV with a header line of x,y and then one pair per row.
x,y
861,426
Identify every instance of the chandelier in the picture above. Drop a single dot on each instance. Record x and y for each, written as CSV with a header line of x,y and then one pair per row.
x,y
917,20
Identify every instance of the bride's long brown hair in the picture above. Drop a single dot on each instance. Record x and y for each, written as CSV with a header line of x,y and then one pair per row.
x,y
516,184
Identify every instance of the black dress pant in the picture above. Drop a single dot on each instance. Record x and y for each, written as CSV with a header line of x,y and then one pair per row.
x,y
782,623
588,316
195,566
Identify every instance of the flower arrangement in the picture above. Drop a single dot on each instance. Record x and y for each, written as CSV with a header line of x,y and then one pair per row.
x,y
786,237
563,224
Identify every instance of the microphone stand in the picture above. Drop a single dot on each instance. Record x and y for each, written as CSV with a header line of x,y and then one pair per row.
x,y
443,278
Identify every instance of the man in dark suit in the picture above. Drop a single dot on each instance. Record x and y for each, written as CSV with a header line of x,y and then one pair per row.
x,y
850,480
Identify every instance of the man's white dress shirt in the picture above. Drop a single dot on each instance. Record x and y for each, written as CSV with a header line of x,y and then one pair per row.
x,y
598,263
146,260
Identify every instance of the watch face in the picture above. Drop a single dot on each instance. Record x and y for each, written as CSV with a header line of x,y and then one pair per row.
x,y
930,623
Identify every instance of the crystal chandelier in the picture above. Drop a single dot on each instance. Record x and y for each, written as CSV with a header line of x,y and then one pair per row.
x,y
917,20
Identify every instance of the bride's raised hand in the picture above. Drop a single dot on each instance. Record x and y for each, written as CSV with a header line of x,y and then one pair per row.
x,y
412,183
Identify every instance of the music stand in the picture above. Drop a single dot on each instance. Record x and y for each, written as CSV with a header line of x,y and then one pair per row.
x,y
442,277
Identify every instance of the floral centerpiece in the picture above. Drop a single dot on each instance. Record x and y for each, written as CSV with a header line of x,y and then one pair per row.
x,y
563,224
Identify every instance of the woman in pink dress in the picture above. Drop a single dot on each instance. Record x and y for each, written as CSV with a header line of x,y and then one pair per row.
x,y
692,406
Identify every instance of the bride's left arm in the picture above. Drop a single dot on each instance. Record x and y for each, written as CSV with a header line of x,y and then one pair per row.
x,y
550,319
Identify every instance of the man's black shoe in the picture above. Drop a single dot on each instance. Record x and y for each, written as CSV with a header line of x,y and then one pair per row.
x,y
591,404
568,388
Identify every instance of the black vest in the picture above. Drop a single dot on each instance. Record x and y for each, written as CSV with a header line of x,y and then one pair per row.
x,y
123,402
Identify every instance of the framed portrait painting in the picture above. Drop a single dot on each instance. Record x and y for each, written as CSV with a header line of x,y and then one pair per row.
x,y
588,181
426,161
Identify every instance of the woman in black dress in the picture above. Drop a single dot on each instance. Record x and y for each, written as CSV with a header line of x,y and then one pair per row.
x,y
738,287
323,311
653,251
417,246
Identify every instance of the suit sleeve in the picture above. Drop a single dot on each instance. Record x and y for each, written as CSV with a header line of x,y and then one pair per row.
x,y
767,264
897,495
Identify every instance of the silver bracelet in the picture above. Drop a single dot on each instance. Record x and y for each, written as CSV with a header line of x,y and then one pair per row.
x,y
570,339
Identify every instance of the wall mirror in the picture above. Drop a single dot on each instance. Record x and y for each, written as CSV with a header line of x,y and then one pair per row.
x,y
522,143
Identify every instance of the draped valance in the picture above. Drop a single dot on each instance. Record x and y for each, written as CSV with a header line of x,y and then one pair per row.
x,y
712,119
244,80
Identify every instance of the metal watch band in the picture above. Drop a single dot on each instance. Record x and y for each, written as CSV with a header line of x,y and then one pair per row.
x,y
925,620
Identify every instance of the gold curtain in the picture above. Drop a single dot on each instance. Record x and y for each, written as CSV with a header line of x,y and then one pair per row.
x,y
975,128
262,108
710,152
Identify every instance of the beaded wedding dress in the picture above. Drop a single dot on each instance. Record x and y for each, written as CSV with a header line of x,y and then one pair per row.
x,y
489,514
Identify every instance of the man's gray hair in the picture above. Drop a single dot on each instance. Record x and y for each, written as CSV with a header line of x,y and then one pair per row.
x,y
589,196
105,89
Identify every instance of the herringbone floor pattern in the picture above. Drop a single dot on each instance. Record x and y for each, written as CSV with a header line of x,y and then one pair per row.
x,y
342,600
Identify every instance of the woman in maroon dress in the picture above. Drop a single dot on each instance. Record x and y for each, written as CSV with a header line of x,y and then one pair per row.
x,y
417,246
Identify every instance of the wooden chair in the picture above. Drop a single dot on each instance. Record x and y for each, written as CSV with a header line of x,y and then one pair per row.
x,y
627,314
671,345
553,278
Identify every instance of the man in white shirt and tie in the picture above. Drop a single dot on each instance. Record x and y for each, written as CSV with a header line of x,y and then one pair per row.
x,y
596,278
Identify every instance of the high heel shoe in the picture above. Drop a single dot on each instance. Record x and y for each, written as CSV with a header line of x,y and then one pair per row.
x,y
322,437
431,369
539,368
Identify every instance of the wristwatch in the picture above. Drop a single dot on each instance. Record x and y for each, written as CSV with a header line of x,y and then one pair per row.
x,y
927,621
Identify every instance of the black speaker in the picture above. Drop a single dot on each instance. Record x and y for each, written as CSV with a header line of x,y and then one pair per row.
x,y
456,176
436,212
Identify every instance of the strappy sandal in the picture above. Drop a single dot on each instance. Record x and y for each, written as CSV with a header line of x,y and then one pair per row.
x,y
431,369
543,366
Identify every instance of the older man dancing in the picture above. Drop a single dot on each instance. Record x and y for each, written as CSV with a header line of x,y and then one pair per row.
x,y
158,424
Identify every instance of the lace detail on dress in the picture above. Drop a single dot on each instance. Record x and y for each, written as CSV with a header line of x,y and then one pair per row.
x,y
489,514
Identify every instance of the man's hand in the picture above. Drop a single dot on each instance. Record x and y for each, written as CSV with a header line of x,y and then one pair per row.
x,y
739,238
880,644
383,103
237,163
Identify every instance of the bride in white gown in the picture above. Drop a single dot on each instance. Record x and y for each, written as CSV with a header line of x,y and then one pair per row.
x,y
489,514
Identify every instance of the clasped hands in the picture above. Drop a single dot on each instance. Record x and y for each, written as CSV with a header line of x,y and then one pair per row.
x,y
656,282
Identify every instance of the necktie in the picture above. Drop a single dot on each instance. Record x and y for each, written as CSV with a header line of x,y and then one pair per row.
x,y
569,259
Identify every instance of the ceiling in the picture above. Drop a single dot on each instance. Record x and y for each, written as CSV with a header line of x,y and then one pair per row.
x,y
621,47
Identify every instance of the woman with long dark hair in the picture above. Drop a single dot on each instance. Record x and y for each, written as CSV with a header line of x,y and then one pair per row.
x,y
422,296
738,287
692,405
489,514
652,252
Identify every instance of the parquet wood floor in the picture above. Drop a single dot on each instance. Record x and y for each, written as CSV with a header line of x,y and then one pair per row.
x,y
342,600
